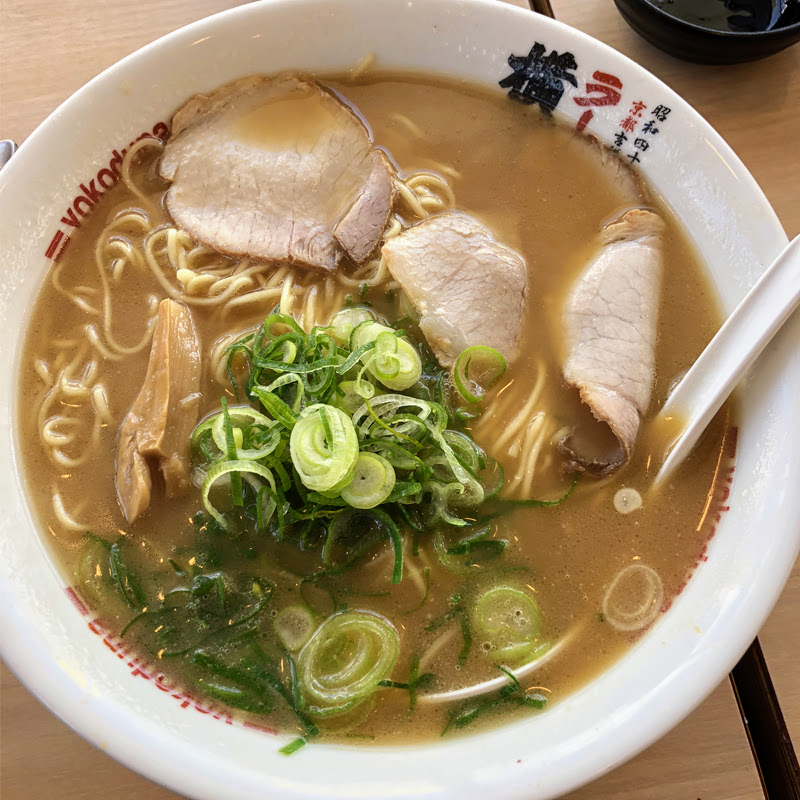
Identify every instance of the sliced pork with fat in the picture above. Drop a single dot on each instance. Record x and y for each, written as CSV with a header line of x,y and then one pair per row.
x,y
619,172
360,229
156,431
610,323
278,169
467,287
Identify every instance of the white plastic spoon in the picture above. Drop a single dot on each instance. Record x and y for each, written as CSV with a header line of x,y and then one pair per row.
x,y
706,386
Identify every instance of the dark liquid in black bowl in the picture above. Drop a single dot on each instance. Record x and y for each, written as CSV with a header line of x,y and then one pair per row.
x,y
733,15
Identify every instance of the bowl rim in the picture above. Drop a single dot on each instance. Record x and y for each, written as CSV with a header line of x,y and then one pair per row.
x,y
60,695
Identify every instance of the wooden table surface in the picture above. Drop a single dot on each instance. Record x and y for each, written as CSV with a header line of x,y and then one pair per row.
x,y
49,48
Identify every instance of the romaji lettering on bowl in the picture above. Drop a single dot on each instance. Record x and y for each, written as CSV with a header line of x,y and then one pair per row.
x,y
92,190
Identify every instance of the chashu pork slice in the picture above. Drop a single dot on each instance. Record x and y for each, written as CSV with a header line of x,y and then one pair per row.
x,y
468,288
617,170
157,429
610,321
278,169
361,228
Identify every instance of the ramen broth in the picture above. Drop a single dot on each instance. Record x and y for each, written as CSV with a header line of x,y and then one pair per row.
x,y
542,192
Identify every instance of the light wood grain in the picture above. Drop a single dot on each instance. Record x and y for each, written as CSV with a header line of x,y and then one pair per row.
x,y
49,48
780,641
705,758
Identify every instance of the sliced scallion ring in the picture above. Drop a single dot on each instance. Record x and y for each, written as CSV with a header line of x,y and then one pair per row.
x,y
358,337
465,450
289,351
353,394
385,362
343,662
398,456
454,564
373,481
476,369
343,322
389,405
467,494
243,417
405,359
294,626
324,447
225,468
510,619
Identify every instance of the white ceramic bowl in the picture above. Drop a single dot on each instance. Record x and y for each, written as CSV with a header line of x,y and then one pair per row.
x,y
120,706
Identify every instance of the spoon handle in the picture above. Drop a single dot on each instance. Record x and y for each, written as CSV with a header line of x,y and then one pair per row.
x,y
706,386
7,149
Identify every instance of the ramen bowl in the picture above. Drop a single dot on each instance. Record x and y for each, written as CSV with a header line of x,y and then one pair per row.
x,y
85,673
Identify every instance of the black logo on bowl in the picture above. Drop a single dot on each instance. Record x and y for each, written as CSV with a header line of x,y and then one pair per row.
x,y
538,78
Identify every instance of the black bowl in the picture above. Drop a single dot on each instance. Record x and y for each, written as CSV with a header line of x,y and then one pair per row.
x,y
694,43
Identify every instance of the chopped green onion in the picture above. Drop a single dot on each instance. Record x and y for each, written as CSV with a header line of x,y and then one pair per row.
x,y
415,681
324,460
124,578
293,746
373,481
353,394
230,452
233,696
509,695
344,661
93,571
397,366
542,503
344,524
294,626
385,363
275,406
242,417
324,438
466,451
343,322
511,621
234,468
476,370
466,635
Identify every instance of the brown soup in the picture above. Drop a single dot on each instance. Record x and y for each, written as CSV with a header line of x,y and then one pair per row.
x,y
202,605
